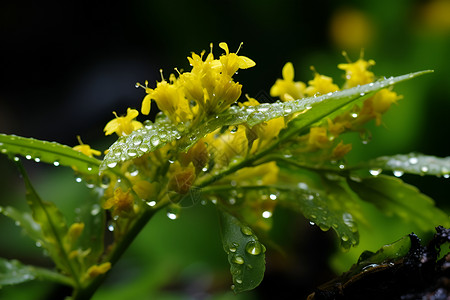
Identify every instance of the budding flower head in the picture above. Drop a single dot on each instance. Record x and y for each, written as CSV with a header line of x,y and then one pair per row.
x,y
123,125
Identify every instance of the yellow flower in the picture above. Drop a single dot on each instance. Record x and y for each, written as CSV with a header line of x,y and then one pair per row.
x,y
377,105
357,73
123,125
97,270
337,127
262,134
286,88
231,62
197,154
341,150
182,178
122,203
86,149
74,232
224,147
145,189
264,174
351,29
318,138
321,84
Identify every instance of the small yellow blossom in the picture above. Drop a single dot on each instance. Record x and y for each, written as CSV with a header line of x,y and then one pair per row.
x,y
318,138
198,155
263,133
374,107
264,174
123,125
337,127
74,232
231,62
288,89
182,178
145,189
86,149
357,73
321,84
351,29
226,146
97,270
341,150
122,202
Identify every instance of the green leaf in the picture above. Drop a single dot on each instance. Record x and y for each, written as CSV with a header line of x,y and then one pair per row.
x,y
386,254
51,221
312,109
49,152
412,163
13,272
24,220
245,253
92,237
392,196
324,211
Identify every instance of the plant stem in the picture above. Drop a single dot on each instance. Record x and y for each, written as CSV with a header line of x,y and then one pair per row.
x,y
87,291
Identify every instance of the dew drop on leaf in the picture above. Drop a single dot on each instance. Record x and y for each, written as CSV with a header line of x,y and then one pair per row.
x,y
237,259
253,248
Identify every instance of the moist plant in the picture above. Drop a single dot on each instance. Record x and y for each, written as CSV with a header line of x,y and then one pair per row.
x,y
208,143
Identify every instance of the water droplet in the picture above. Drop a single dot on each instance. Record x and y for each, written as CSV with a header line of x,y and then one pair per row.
x,y
302,185
354,115
37,159
239,281
38,244
111,226
132,170
342,166
246,230
398,173
375,172
234,129
171,215
95,209
273,197
424,169
253,248
344,238
266,214
16,158
413,160
78,179
112,164
151,203
105,180
233,249
312,223
28,156
155,140
136,140
237,259
17,223
143,148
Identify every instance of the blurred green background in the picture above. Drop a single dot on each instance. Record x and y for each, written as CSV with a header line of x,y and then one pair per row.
x,y
65,68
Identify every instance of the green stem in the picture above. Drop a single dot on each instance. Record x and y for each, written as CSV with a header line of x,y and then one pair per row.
x,y
46,274
87,291
58,239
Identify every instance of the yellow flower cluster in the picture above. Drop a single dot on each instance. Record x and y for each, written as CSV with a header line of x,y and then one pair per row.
x,y
206,90
324,137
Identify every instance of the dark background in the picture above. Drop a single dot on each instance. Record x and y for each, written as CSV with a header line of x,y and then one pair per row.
x,y
65,67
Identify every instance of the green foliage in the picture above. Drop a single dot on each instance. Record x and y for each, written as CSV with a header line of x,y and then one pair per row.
x,y
48,152
412,163
245,253
13,272
166,164
393,196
